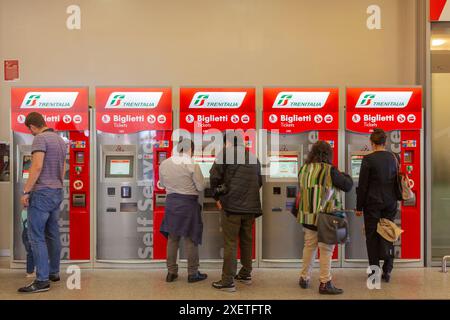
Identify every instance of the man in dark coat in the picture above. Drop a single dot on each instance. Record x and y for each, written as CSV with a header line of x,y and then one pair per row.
x,y
236,179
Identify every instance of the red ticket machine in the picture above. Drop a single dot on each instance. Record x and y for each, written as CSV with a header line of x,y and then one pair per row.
x,y
205,115
295,118
398,111
133,136
66,111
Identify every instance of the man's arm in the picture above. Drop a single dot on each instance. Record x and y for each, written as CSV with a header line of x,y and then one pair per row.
x,y
363,184
216,174
37,163
341,180
199,181
260,182
64,171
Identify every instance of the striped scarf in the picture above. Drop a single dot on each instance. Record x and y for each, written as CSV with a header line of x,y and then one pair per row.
x,y
317,193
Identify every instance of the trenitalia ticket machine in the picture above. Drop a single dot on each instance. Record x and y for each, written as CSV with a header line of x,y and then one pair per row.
x,y
398,111
295,119
66,111
134,127
205,115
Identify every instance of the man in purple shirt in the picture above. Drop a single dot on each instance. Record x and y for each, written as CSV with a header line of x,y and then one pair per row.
x,y
42,195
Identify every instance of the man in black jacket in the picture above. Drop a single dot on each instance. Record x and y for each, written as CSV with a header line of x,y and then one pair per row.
x,y
236,178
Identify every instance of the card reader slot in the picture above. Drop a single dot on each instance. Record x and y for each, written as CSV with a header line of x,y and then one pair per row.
x,y
128,207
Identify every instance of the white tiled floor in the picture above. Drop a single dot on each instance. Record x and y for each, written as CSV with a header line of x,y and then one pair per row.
x,y
417,283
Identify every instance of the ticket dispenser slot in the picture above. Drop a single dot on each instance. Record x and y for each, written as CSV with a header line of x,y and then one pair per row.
x,y
125,192
291,191
79,157
408,157
160,199
162,155
78,200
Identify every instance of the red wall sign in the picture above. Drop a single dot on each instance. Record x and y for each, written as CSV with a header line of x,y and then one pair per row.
x,y
130,110
203,109
294,110
386,108
64,109
439,10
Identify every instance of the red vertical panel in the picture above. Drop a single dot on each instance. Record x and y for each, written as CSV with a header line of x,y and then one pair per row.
x,y
159,241
79,216
436,7
410,218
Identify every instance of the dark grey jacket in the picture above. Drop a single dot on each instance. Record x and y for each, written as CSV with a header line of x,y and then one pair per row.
x,y
243,181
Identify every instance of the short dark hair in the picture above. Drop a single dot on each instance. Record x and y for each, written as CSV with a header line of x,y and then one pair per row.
x,y
378,137
321,151
185,145
36,119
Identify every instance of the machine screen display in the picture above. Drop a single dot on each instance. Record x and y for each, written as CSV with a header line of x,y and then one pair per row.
x,y
356,161
119,166
26,165
205,164
283,167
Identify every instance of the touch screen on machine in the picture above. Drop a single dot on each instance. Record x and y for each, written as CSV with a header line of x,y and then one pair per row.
x,y
283,167
119,166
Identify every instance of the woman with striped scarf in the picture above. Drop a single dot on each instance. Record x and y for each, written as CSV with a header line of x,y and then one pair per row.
x,y
319,184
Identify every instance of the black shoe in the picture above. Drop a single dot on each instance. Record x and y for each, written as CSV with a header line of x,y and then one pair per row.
x,y
197,277
54,277
304,284
171,277
36,286
219,285
243,279
386,276
329,288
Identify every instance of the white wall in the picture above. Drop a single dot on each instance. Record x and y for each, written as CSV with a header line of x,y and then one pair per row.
x,y
203,42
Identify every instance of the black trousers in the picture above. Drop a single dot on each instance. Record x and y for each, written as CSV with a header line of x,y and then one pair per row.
x,y
372,214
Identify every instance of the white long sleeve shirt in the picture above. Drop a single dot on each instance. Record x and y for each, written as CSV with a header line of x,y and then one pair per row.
x,y
179,174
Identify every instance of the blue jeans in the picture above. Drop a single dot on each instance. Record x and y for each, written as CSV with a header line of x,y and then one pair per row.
x,y
27,245
43,231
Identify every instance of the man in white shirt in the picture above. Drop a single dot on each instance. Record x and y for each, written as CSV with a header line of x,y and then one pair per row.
x,y
183,181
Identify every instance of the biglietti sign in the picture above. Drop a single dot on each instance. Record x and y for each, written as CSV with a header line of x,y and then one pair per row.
x,y
293,110
129,110
386,108
64,109
217,108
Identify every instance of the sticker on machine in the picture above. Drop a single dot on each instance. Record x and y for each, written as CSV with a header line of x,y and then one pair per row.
x,y
384,99
217,100
291,99
133,100
49,100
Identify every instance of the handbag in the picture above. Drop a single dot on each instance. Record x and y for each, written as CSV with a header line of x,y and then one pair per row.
x,y
332,228
403,184
295,207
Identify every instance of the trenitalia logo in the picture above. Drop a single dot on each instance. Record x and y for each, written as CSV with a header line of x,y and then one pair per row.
x,y
201,98
218,100
301,99
133,100
49,100
384,99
